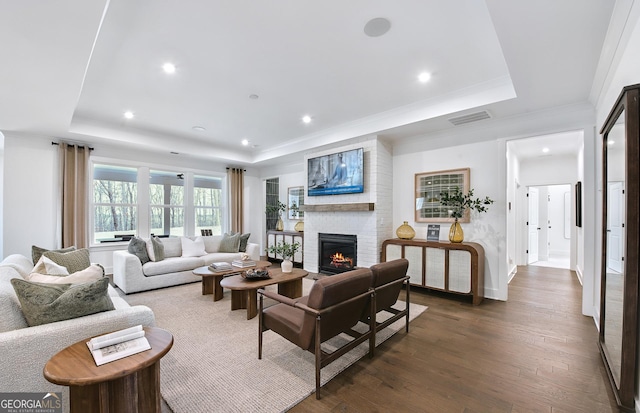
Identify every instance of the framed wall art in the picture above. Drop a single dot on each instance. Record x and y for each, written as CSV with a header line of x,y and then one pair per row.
x,y
429,186
295,199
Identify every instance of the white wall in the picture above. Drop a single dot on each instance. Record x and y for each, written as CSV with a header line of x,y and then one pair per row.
x,y
486,161
30,194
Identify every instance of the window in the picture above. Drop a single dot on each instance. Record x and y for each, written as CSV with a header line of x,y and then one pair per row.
x,y
207,201
166,201
115,202
273,197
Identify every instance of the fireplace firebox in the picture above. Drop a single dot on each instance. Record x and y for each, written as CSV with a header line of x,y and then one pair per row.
x,y
337,253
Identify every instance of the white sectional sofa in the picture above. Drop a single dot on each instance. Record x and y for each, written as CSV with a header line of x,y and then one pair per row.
x,y
25,350
131,276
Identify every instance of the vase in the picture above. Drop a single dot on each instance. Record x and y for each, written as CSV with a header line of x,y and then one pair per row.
x,y
286,266
299,226
455,232
405,231
279,224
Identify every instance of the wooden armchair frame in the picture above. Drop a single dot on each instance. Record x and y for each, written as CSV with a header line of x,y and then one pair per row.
x,y
322,358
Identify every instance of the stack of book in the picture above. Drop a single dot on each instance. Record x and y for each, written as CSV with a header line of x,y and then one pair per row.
x,y
117,345
220,266
243,264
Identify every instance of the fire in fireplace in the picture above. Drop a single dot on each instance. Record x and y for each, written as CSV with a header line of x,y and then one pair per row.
x,y
336,253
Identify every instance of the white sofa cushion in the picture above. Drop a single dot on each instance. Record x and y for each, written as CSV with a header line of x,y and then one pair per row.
x,y
192,248
46,266
93,273
171,265
212,243
172,247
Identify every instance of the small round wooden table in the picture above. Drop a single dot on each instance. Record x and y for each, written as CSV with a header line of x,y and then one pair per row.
x,y
211,280
131,384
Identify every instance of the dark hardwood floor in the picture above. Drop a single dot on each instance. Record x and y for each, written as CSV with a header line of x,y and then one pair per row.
x,y
533,353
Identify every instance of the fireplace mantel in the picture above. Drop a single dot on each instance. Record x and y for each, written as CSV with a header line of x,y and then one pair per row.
x,y
362,206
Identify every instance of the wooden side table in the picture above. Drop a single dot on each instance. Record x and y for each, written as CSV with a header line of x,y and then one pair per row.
x,y
131,384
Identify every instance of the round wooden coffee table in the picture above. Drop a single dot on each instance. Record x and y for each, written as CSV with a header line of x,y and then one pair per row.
x,y
211,279
244,293
131,384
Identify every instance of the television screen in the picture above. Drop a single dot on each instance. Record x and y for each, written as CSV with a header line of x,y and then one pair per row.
x,y
335,174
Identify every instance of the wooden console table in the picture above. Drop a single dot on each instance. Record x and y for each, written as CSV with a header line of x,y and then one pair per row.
x,y
274,237
456,268
131,384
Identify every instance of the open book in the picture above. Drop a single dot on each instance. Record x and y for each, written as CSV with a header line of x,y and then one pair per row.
x,y
117,345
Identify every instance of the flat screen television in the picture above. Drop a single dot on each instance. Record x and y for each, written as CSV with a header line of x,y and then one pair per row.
x,y
336,174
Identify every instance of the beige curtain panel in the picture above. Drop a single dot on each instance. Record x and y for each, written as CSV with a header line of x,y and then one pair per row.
x,y
236,186
74,164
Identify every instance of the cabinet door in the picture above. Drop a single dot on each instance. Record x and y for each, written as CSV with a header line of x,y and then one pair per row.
x,y
271,241
460,271
434,272
414,255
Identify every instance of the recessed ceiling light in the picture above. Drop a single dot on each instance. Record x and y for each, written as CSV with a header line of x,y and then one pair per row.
x,y
306,118
169,68
253,96
128,114
377,27
424,77
610,142
245,142
199,128
545,150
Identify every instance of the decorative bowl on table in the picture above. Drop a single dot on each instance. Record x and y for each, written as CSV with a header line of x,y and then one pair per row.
x,y
256,274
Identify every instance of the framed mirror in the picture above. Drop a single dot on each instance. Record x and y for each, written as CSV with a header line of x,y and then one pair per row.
x,y
295,199
619,260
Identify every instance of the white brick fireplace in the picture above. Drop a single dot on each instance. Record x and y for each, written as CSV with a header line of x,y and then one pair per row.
x,y
370,227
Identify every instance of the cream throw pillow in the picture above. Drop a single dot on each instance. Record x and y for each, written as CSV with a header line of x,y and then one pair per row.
x,y
46,266
193,248
93,273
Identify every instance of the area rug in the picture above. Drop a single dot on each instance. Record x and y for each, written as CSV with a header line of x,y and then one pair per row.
x,y
213,365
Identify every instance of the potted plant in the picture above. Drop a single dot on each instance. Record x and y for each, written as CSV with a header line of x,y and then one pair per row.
x,y
460,203
278,208
286,251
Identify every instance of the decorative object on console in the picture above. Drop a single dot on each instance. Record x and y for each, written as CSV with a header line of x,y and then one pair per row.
x,y
460,204
299,226
278,208
433,232
286,251
405,231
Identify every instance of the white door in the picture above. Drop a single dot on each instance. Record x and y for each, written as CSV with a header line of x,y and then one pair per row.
x,y
615,229
533,225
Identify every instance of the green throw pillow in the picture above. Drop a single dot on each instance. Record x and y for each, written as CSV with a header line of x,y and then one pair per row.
x,y
244,240
48,303
36,252
74,261
138,247
229,243
155,249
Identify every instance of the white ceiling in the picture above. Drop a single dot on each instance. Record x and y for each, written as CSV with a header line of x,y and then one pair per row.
x,y
71,68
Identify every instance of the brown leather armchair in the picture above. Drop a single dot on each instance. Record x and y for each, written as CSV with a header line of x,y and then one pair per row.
x,y
387,279
334,305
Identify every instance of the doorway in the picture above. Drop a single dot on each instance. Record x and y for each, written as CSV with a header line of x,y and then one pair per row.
x,y
549,226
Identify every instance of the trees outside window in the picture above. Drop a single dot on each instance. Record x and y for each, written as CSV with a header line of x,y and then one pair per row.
x,y
115,202
166,199
207,201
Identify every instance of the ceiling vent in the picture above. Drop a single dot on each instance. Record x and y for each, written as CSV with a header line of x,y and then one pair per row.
x,y
472,117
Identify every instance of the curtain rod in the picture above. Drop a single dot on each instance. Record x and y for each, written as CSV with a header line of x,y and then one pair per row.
x,y
244,170
79,146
